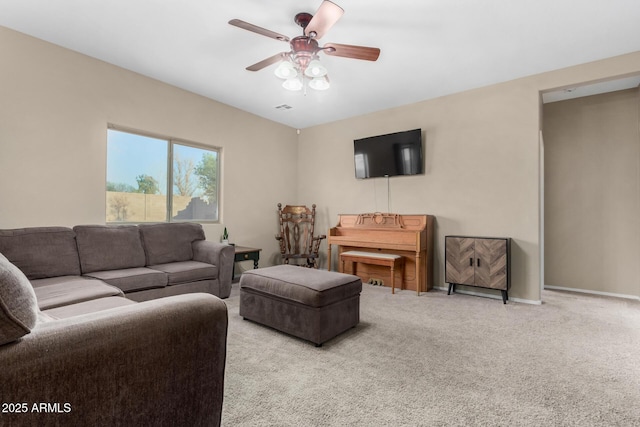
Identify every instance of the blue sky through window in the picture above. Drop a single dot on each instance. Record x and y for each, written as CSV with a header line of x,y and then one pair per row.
x,y
130,155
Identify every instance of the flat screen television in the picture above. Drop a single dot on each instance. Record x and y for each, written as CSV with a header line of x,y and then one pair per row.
x,y
392,154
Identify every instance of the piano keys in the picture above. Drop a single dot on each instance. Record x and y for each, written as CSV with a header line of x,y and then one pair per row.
x,y
410,236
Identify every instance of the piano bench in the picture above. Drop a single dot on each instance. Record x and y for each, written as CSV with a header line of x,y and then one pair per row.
x,y
315,305
374,258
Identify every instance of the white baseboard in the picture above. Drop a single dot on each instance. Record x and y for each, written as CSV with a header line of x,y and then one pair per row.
x,y
492,296
586,291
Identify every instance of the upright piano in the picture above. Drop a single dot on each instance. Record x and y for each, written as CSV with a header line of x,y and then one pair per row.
x,y
410,236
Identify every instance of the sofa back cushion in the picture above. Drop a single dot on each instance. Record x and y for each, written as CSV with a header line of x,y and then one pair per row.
x,y
170,242
41,251
18,305
109,247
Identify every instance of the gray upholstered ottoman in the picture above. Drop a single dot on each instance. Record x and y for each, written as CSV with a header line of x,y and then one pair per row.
x,y
315,305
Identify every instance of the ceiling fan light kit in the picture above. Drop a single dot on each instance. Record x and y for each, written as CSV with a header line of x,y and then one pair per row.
x,y
286,70
301,64
319,83
293,84
315,69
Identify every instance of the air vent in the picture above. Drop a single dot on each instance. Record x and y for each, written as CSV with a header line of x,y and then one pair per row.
x,y
284,107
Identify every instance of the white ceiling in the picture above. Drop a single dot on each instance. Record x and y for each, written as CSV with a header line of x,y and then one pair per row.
x,y
429,48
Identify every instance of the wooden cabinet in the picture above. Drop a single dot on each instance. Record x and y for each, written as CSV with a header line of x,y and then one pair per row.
x,y
478,261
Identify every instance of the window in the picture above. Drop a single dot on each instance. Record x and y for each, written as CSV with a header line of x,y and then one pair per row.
x,y
152,179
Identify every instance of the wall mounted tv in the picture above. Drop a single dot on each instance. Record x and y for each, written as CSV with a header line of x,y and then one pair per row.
x,y
392,154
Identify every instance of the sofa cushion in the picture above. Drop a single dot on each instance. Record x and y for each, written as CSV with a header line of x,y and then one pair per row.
x,y
132,279
58,291
18,304
187,271
170,242
87,307
41,251
107,247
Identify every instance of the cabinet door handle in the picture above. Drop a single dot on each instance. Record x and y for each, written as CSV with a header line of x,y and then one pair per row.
x,y
470,262
478,262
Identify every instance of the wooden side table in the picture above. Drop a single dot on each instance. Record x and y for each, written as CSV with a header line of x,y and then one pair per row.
x,y
244,253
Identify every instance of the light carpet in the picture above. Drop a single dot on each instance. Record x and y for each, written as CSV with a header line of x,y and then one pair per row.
x,y
439,360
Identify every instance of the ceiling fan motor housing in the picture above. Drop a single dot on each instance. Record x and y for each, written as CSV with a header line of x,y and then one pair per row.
x,y
303,50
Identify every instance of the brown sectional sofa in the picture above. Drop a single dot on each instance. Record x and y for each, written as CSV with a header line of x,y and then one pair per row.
x,y
75,351
144,262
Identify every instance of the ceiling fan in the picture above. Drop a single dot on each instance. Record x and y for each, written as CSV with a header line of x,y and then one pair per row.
x,y
302,59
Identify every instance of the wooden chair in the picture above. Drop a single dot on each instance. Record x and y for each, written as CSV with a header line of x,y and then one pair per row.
x,y
297,242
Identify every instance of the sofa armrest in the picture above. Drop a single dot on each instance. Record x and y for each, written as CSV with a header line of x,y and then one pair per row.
x,y
154,363
219,255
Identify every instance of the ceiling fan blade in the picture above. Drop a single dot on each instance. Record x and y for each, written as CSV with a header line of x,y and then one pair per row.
x,y
350,51
250,27
327,14
266,62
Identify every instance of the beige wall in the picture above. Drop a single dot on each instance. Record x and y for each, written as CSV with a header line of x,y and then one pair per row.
x,y
482,165
482,152
54,108
592,197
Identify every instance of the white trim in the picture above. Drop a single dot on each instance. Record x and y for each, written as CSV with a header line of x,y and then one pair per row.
x,y
492,296
586,291
541,242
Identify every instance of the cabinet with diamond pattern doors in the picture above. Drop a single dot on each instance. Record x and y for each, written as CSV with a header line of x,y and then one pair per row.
x,y
483,262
